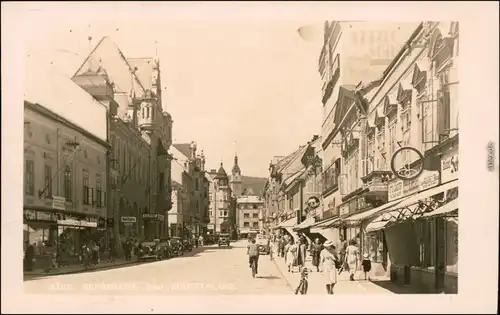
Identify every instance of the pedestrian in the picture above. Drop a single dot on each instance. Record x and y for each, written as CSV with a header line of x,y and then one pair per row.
x,y
29,256
329,264
301,253
351,258
367,266
343,247
200,240
316,253
95,254
303,284
290,254
282,246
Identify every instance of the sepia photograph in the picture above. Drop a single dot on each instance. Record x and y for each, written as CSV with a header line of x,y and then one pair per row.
x,y
257,157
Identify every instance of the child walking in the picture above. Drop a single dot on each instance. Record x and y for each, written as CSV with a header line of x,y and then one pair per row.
x,y
303,284
367,266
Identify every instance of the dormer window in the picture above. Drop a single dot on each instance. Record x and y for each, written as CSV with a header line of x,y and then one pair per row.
x,y
441,49
419,79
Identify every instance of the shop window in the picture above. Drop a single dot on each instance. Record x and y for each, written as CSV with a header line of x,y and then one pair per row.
x,y
425,235
30,177
68,186
48,181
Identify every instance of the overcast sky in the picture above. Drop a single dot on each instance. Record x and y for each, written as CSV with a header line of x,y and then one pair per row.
x,y
250,81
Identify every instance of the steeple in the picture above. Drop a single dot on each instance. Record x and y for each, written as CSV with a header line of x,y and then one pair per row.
x,y
236,169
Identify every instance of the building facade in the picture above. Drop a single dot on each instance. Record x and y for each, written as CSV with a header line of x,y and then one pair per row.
x,y
194,196
64,182
404,122
221,205
249,209
131,90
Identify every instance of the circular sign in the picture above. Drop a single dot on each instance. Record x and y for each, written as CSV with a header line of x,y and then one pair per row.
x,y
406,172
313,202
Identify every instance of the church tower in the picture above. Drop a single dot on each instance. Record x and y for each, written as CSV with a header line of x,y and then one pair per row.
x,y
236,184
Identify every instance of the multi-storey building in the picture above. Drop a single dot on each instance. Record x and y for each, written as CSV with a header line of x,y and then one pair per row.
x,y
407,123
134,87
194,214
249,209
353,52
221,207
64,171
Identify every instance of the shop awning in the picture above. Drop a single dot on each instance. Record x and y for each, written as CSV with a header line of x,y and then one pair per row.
x,y
444,210
428,193
288,223
319,226
372,212
305,224
408,208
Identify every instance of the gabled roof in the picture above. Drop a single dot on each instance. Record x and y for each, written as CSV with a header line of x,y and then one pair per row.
x,y
282,164
342,108
107,55
221,173
184,148
253,185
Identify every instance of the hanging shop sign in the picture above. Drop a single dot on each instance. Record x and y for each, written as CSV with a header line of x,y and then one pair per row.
x,y
153,216
313,202
449,167
128,219
58,203
38,215
403,188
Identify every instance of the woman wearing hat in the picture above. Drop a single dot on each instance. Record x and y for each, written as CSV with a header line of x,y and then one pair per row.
x,y
329,261
351,258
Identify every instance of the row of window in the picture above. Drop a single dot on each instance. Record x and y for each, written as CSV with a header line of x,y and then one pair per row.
x,y
255,225
95,196
129,162
250,206
222,213
247,215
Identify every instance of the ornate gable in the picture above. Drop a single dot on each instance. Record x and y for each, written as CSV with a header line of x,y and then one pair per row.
x,y
379,117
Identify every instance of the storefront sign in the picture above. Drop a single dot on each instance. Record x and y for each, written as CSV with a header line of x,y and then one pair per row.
x,y
313,202
58,202
128,219
38,215
400,188
161,217
153,216
375,186
449,167
69,222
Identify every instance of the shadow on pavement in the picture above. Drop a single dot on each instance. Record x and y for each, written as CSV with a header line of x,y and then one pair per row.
x,y
268,277
395,288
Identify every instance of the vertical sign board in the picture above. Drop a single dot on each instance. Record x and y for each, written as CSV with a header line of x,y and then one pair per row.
x,y
449,166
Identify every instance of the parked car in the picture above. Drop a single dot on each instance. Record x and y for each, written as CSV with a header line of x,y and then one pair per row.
x,y
224,239
149,250
187,245
263,244
164,249
176,248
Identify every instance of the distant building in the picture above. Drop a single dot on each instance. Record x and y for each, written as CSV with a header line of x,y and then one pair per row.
x,y
221,220
249,209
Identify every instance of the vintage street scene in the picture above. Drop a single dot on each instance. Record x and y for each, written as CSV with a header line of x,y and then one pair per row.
x,y
268,158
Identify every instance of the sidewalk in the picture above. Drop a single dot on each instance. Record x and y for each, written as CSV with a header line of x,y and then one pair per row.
x,y
28,275
317,283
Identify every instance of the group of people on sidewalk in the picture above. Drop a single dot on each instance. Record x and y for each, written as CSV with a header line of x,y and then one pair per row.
x,y
326,258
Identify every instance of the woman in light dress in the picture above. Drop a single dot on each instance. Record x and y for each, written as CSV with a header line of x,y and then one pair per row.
x,y
352,258
329,261
290,254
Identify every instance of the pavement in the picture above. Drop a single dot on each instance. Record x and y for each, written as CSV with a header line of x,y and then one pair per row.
x,y
317,283
208,270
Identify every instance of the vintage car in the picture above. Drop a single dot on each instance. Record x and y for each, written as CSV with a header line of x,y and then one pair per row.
x,y
224,239
149,250
263,243
176,248
187,245
164,249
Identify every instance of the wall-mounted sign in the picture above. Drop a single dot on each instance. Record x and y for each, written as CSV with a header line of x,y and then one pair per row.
x,y
38,215
128,219
449,167
403,188
375,186
69,222
85,223
406,171
58,202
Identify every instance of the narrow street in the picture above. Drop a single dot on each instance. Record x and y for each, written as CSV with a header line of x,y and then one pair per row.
x,y
208,270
